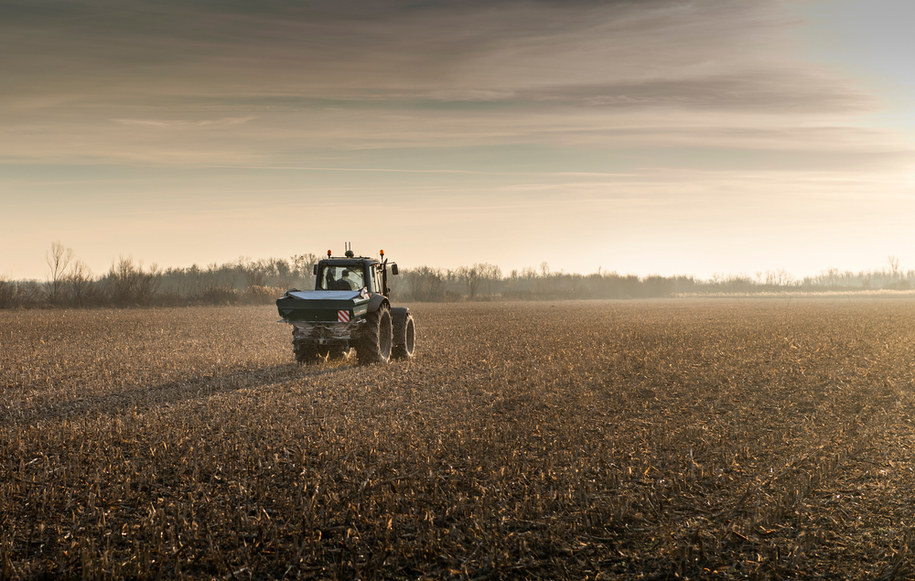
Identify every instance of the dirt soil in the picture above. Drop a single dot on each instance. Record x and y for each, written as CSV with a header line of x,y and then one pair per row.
x,y
700,439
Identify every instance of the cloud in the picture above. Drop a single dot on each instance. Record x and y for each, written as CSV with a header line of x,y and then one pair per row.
x,y
761,91
301,83
330,49
165,124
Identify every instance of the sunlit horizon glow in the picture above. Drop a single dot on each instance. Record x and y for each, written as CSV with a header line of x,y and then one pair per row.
x,y
660,137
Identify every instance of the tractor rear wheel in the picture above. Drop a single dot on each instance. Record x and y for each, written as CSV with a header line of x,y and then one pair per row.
x,y
374,346
404,336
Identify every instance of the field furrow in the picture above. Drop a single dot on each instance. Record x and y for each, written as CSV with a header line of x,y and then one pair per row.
x,y
703,439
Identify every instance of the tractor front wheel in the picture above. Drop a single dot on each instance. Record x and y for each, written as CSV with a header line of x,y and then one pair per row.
x,y
404,335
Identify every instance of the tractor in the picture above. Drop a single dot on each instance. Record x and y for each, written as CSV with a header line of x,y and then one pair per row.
x,y
348,309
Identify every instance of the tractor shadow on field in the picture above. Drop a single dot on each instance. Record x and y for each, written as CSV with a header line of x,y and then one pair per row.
x,y
45,407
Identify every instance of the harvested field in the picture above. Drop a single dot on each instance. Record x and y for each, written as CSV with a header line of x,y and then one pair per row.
x,y
696,439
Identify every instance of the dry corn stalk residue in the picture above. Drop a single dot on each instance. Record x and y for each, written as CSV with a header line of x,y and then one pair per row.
x,y
699,439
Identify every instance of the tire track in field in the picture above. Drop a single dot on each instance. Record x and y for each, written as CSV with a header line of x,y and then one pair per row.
x,y
141,397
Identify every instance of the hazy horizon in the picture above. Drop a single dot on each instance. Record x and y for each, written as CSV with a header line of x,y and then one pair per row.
x,y
658,137
890,266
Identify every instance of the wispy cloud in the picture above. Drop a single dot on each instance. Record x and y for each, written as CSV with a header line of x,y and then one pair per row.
x,y
488,103
284,80
165,124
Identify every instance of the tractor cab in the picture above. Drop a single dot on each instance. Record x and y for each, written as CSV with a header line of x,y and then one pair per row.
x,y
353,273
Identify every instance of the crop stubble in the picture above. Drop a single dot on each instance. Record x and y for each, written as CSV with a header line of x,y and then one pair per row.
x,y
699,438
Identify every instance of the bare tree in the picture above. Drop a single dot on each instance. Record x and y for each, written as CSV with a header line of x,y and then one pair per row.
x,y
426,283
149,283
131,284
470,276
7,293
474,276
58,259
894,266
302,265
123,279
491,274
282,273
778,278
80,281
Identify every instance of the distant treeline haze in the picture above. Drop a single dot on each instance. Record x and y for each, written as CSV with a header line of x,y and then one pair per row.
x,y
128,283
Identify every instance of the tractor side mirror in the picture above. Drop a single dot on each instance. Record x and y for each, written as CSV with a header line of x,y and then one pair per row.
x,y
394,268
314,269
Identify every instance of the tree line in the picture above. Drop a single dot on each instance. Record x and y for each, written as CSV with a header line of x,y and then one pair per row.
x,y
70,283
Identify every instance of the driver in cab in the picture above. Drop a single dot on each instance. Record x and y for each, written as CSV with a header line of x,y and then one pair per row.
x,y
347,282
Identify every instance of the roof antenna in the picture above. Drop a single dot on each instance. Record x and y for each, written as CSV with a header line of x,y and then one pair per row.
x,y
349,250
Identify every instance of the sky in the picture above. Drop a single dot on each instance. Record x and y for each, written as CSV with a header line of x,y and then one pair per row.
x,y
695,137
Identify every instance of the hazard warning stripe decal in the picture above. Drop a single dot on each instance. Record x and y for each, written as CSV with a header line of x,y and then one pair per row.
x,y
343,316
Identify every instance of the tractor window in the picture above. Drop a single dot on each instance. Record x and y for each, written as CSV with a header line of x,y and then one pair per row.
x,y
373,280
342,278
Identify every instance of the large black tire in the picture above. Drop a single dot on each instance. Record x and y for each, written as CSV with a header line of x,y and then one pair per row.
x,y
374,346
404,334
